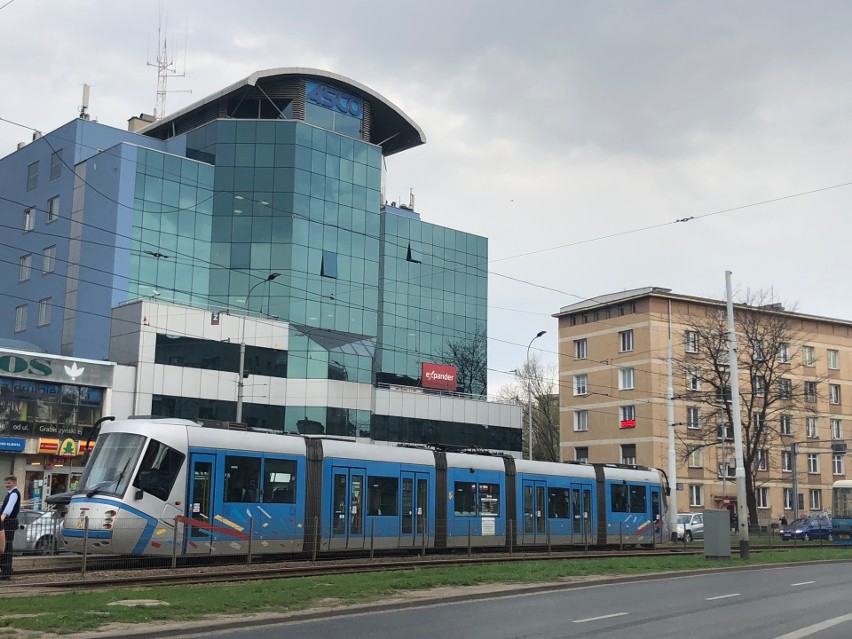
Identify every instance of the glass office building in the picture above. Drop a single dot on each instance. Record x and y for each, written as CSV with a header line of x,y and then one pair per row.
x,y
265,199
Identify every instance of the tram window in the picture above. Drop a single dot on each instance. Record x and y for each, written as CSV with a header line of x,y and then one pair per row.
x,y
618,497
382,496
557,503
279,486
159,469
242,479
638,499
465,499
489,499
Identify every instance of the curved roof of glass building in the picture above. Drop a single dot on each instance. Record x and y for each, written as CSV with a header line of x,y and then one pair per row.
x,y
282,94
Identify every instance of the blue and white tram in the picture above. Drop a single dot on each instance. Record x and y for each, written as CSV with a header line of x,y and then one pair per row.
x,y
841,512
164,486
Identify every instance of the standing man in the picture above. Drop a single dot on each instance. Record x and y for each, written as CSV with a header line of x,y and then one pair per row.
x,y
9,521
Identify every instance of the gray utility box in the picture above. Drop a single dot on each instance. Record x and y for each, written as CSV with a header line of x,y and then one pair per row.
x,y
717,534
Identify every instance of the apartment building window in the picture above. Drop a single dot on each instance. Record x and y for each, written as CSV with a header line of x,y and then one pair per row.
x,y
786,461
763,497
625,378
834,393
56,164
53,209
48,260
810,391
784,352
837,463
811,426
788,499
763,459
836,429
628,454
696,457
693,381
690,339
44,309
816,499
759,422
29,219
20,318
759,386
808,356
696,495
757,354
723,394
581,454
813,463
25,267
728,469
833,359
725,432
693,417
785,388
628,416
580,349
786,424
581,384
32,176
581,421
626,341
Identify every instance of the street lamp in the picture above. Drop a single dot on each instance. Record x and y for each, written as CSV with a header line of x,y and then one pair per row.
x,y
529,394
240,382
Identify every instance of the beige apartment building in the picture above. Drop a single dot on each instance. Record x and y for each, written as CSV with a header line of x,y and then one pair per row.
x,y
795,379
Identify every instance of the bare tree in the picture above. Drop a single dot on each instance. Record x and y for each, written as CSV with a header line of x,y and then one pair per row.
x,y
469,355
535,380
768,340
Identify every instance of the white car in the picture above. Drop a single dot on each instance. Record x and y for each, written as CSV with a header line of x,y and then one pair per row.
x,y
39,531
689,526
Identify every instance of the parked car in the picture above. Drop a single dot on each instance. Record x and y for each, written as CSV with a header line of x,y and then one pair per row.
x,y
690,526
807,528
39,531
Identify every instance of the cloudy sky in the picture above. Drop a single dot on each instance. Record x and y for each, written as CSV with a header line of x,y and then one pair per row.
x,y
572,134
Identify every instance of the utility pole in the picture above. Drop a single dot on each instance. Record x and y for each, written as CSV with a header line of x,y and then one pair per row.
x,y
794,450
742,506
672,455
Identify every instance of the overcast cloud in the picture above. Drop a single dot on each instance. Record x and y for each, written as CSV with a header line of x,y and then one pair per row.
x,y
548,123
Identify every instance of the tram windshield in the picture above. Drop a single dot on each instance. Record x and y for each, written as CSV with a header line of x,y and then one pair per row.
x,y
842,506
111,466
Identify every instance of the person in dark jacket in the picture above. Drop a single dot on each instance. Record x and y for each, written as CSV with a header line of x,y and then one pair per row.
x,y
9,521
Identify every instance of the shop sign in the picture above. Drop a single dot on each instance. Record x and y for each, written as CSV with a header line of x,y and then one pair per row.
x,y
58,430
22,429
49,446
439,376
60,369
12,444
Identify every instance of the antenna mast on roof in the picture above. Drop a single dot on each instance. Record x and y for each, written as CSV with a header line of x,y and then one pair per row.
x,y
84,108
165,69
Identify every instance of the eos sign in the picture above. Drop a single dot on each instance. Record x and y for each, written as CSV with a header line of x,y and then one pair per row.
x,y
439,377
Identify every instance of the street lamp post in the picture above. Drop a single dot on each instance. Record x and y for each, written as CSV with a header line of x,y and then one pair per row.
x,y
529,396
240,382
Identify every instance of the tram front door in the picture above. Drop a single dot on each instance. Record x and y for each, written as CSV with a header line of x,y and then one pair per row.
x,y
199,520
347,503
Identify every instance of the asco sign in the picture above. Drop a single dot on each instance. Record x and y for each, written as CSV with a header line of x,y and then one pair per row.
x,y
335,100
439,377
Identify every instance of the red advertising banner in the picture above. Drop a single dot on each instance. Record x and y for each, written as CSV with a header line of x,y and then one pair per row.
x,y
439,376
628,423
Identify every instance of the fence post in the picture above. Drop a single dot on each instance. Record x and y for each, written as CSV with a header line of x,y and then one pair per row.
x,y
316,539
251,534
372,538
85,544
174,544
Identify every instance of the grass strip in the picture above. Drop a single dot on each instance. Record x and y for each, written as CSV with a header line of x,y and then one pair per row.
x,y
87,611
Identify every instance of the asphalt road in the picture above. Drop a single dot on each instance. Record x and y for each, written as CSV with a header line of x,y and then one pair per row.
x,y
798,602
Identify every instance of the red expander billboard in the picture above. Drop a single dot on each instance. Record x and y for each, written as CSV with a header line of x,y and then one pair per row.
x,y
439,376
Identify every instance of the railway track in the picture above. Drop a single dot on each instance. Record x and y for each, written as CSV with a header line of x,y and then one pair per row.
x,y
104,575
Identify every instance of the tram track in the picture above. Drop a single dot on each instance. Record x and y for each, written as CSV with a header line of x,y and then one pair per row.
x,y
58,574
